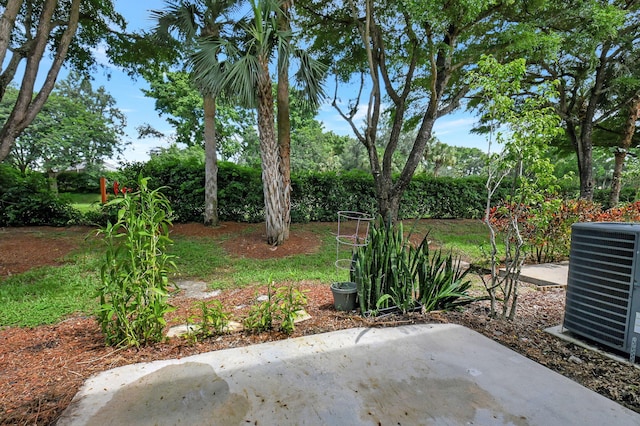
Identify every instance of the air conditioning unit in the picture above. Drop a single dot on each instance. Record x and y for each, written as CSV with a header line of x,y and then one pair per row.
x,y
603,286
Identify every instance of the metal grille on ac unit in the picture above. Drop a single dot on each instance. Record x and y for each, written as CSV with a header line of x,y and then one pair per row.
x,y
603,274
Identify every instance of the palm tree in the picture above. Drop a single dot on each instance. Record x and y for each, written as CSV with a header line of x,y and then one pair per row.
x,y
440,154
283,121
246,74
193,21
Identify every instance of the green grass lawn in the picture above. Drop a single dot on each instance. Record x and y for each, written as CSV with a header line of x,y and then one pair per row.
x,y
83,202
468,239
47,295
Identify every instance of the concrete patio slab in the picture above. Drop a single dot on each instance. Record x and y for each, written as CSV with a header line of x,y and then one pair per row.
x,y
412,375
545,274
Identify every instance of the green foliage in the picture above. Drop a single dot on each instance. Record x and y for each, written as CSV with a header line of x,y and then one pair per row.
x,y
441,281
319,196
280,307
240,196
86,181
316,196
592,50
444,197
261,315
26,201
213,319
381,270
628,194
389,270
522,127
66,31
134,290
177,98
290,301
181,175
76,125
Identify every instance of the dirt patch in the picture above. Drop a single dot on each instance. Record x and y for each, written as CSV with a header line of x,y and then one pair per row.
x,y
42,368
249,239
25,248
30,247
253,245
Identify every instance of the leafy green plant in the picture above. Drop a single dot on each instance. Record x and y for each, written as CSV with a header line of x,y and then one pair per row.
x,y
391,271
26,201
381,269
261,315
281,306
440,279
134,289
523,128
290,302
213,318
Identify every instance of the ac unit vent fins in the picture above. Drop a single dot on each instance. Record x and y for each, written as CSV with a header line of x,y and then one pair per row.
x,y
600,282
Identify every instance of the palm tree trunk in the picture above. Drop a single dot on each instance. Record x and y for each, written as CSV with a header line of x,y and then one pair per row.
x,y
269,151
211,163
284,128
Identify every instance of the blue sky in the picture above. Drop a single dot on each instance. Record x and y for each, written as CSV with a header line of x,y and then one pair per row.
x,y
453,129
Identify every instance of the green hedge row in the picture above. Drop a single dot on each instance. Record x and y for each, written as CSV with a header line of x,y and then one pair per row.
x,y
315,196
26,200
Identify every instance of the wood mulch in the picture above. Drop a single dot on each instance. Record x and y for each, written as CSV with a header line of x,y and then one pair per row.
x,y
42,368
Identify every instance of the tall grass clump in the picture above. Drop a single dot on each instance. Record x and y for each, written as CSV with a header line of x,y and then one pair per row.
x,y
134,274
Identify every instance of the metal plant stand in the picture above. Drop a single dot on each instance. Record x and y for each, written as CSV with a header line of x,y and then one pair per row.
x,y
353,232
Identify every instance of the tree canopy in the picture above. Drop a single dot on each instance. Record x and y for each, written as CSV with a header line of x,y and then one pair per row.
x,y
76,126
411,57
592,49
67,30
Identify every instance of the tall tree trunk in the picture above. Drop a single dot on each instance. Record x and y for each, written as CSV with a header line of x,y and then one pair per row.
x,y
52,177
211,163
621,152
284,126
269,151
27,107
585,168
581,142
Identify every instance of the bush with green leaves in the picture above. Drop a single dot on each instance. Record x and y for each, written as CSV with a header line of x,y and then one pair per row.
x,y
27,201
213,320
281,307
390,271
315,197
134,275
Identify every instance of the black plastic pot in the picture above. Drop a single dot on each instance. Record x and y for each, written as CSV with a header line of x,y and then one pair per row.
x,y
344,296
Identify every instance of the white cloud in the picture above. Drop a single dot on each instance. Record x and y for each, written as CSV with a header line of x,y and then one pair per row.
x,y
444,126
100,53
333,121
